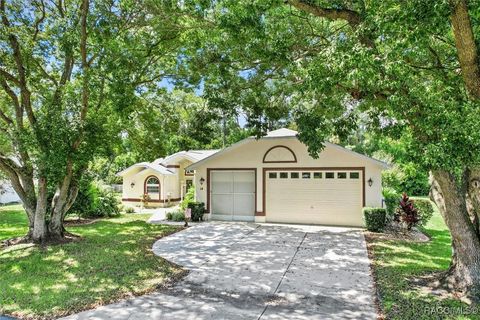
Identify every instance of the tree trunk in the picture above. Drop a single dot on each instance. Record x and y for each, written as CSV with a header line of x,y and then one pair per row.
x,y
464,272
59,204
40,232
472,179
466,47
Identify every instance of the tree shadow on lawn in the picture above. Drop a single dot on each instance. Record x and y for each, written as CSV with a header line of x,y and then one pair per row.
x,y
399,263
114,260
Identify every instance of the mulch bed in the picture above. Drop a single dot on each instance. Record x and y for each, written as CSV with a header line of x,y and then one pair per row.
x,y
69,237
394,232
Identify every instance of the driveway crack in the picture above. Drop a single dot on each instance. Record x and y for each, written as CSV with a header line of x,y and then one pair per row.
x,y
285,273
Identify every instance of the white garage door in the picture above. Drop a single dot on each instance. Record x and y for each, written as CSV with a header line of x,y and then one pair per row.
x,y
314,197
232,195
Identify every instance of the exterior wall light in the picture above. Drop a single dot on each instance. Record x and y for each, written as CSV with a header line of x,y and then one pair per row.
x,y
202,181
370,182
132,184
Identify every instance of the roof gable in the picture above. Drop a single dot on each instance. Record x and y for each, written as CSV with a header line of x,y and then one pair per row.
x,y
284,134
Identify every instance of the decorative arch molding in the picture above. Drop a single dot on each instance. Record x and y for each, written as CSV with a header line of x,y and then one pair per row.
x,y
279,154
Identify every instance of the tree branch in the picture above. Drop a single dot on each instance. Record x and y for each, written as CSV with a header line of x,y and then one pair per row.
x,y
83,53
9,77
39,20
16,103
352,17
10,168
45,73
466,48
24,92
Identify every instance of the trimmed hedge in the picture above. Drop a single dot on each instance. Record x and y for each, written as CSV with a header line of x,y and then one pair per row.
x,y
392,200
375,218
198,209
175,215
425,210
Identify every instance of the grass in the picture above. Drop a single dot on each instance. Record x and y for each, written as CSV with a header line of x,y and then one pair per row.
x,y
114,260
13,222
396,262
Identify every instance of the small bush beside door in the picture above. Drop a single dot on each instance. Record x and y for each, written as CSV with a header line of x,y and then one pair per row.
x,y
375,219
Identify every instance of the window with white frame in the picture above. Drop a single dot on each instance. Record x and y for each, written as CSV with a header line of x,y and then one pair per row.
x,y
152,185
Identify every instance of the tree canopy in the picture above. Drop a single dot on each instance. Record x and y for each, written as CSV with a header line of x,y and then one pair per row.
x,y
78,77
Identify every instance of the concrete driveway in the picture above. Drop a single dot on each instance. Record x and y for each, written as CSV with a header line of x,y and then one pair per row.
x,y
251,271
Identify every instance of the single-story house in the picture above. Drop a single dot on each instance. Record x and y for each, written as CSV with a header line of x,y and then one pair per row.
x,y
164,180
274,179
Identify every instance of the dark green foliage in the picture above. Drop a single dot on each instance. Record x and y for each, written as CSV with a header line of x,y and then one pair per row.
x,y
375,219
169,215
93,201
392,199
406,177
176,216
198,210
425,210
403,175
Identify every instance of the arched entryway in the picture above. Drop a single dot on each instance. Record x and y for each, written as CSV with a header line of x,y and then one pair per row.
x,y
152,187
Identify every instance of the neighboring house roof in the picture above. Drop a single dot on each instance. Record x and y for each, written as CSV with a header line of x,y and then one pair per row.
x,y
160,165
282,133
146,165
192,155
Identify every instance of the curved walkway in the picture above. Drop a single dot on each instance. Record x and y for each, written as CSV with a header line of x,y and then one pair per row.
x,y
249,271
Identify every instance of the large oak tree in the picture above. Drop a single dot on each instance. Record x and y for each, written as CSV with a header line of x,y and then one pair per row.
x,y
412,67
71,71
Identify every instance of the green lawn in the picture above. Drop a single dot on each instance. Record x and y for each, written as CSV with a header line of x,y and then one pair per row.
x,y
395,262
13,222
113,260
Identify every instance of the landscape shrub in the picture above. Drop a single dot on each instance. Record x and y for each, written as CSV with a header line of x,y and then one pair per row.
x,y
375,218
198,210
424,210
392,200
169,215
95,201
407,214
130,210
189,198
178,216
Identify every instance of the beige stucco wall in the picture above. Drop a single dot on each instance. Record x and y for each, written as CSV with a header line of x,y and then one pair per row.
x,y
250,155
168,184
182,178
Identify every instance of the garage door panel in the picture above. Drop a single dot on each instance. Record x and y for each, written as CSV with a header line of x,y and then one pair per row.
x,y
314,201
222,204
244,204
222,182
232,195
243,182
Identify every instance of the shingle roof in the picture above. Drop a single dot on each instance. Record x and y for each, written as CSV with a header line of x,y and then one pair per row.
x,y
283,132
160,165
